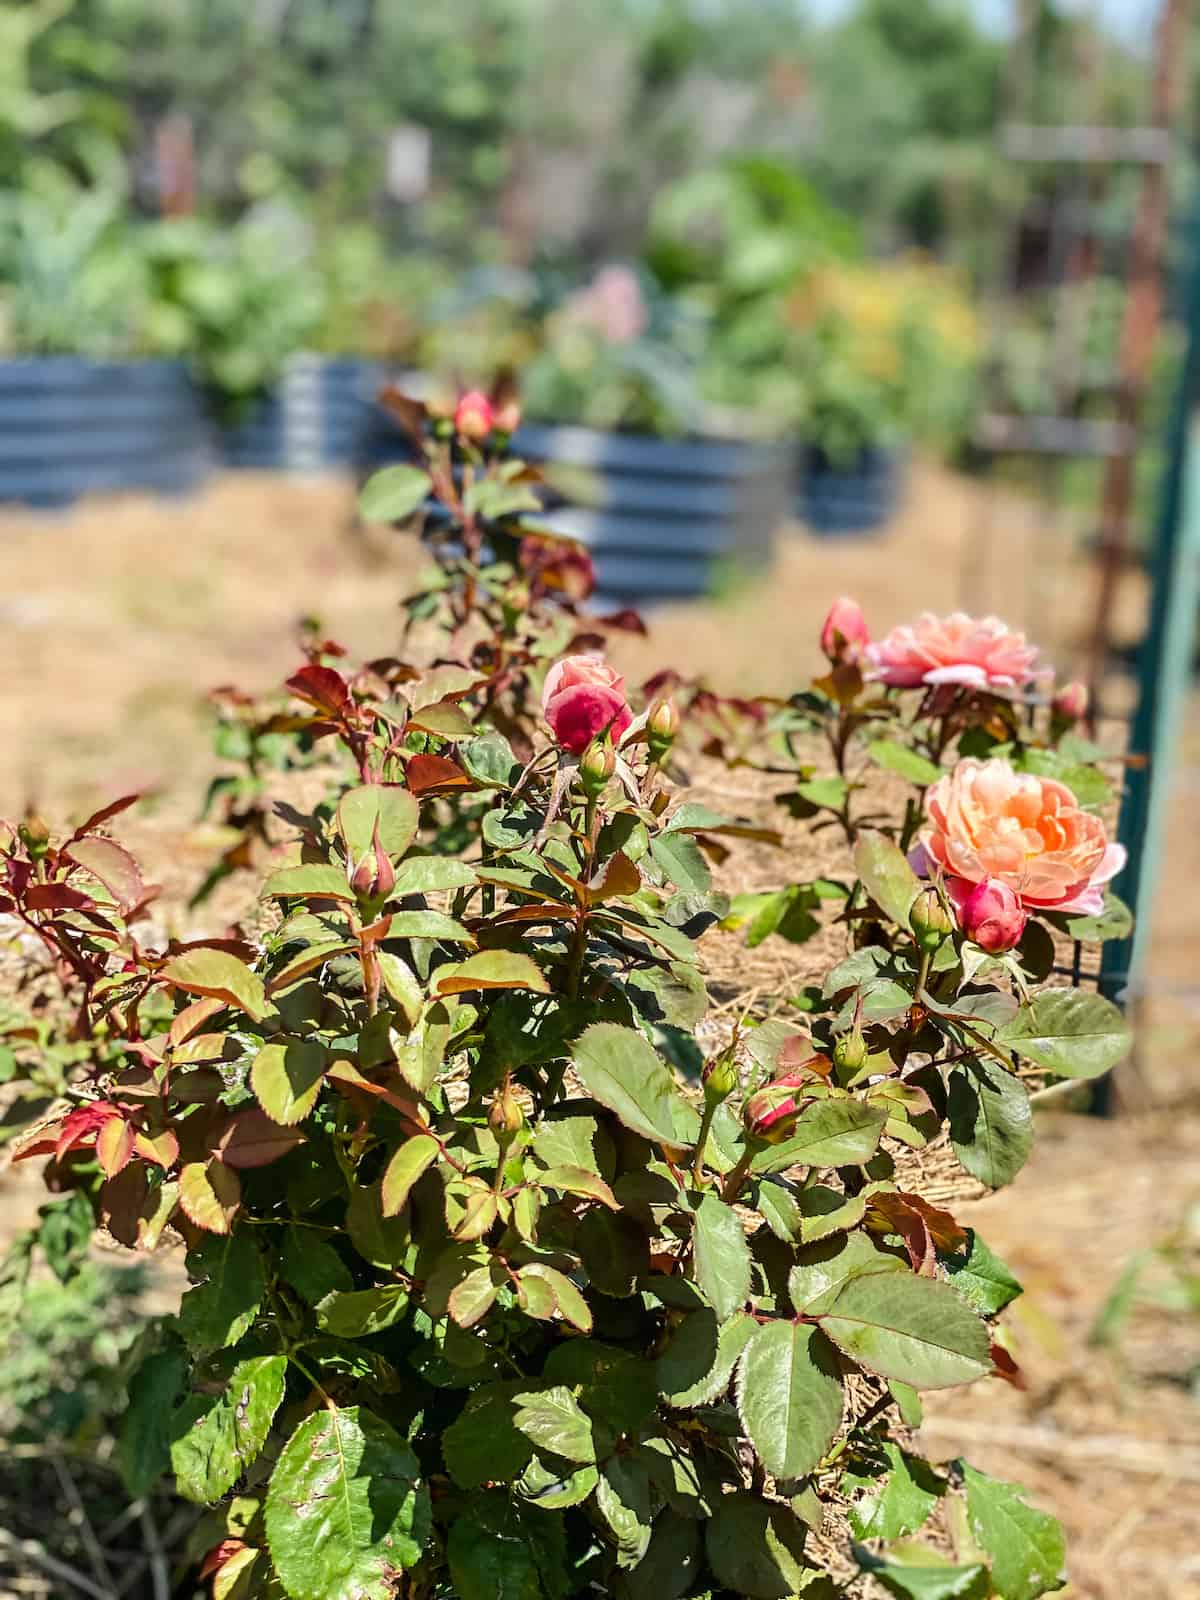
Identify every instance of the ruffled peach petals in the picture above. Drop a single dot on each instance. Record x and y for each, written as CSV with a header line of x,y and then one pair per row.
x,y
981,654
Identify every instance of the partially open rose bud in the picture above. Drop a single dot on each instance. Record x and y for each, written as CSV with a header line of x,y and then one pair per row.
x,y
993,917
597,765
770,1113
719,1078
844,633
1069,706
930,921
507,415
662,725
473,415
506,1119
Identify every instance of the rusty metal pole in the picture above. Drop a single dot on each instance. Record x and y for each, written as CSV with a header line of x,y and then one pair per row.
x,y
1143,307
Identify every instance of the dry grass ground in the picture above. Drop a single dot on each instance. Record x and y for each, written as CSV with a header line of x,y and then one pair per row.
x,y
118,617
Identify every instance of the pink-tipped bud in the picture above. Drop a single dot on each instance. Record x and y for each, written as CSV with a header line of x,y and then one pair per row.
x,y
844,633
473,415
375,877
993,917
661,727
770,1113
1070,704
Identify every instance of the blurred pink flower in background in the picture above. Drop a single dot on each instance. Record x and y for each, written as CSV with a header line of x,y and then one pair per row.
x,y
981,653
582,697
612,305
844,632
988,821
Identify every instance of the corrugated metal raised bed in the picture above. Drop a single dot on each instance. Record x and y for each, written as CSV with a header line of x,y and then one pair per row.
x,y
70,427
318,416
838,499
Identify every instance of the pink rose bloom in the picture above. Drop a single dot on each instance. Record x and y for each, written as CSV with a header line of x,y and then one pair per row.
x,y
982,653
993,917
844,633
988,821
583,697
473,416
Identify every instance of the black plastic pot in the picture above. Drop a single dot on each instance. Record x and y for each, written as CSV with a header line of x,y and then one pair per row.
x,y
319,415
662,514
70,427
839,499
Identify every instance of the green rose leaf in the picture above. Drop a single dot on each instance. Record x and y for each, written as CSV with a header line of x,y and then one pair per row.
x,y
415,1156
345,1508
886,876
671,1564
553,1421
491,969
756,1547
431,875
313,880
914,1329
991,1121
1069,1032
393,494
900,759
830,1133
979,1275
789,1393
216,1438
822,1269
220,976
358,1313
387,806
618,1067
897,1501
624,1500
496,1552
286,1078
678,857
1114,922
721,1256
916,1572
695,1367
222,1305
144,1440
1026,1546
484,1445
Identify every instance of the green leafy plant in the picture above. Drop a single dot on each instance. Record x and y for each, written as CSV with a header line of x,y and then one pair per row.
x,y
499,1280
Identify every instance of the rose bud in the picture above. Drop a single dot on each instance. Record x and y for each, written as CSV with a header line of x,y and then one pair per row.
x,y
506,416
1070,705
770,1113
597,765
719,1078
993,917
930,921
506,1119
850,1053
374,878
582,698
662,725
844,633
473,416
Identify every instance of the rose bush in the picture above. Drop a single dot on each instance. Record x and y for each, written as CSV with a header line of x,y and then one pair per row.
x,y
497,1285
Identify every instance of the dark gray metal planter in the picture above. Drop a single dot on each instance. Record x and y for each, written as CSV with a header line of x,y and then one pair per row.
x,y
70,427
319,415
838,499
668,510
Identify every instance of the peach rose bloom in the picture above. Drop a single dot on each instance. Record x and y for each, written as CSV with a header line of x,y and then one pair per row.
x,y
988,821
981,653
582,697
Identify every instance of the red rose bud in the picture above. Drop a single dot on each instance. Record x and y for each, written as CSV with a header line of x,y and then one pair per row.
x,y
930,921
374,878
583,697
993,917
719,1078
1070,704
473,415
770,1113
845,632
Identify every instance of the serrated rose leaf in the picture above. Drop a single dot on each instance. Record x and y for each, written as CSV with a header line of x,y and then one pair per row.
x,y
346,1508
886,876
1026,1546
915,1329
721,1256
415,1156
789,1393
991,1121
386,806
310,881
210,1193
220,976
1070,1032
227,1274
215,1438
492,969
393,494
622,1070
286,1078
829,1133
113,866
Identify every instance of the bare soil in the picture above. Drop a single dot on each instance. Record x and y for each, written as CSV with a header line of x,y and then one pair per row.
x,y
119,617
